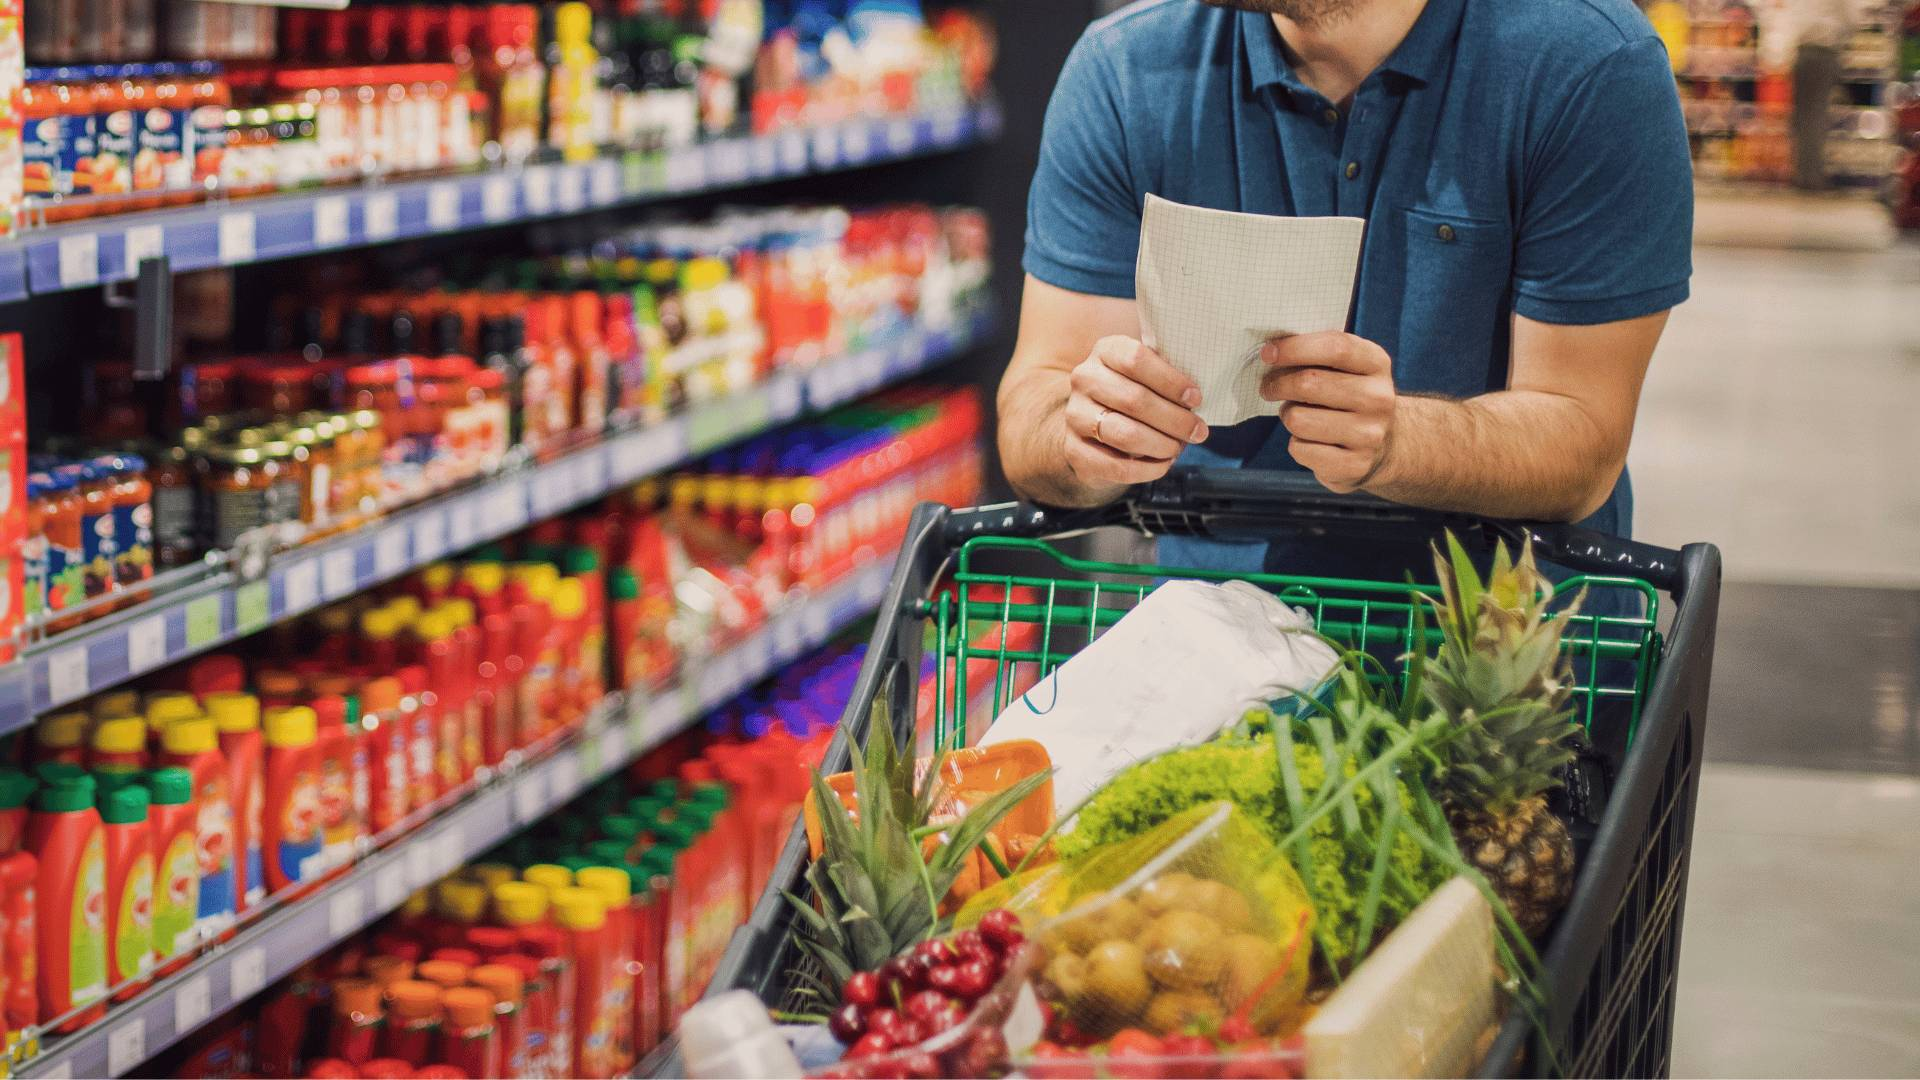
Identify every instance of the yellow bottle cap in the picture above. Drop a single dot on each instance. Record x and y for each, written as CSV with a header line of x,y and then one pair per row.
x,y
703,273
117,703
569,599
572,24
750,493
537,578
379,624
548,876
579,909
517,903
486,578
418,903
438,577
334,619
716,491
293,726
684,491
167,706
404,609
431,626
234,713
123,735
62,730
461,610
491,875
195,736
613,887
461,901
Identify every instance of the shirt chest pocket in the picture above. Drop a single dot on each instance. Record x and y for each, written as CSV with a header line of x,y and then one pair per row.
x,y
1458,296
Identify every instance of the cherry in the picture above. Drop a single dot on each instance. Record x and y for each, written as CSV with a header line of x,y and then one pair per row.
x,y
872,1044
946,979
935,953
1001,928
926,1003
970,980
862,989
971,943
884,1020
848,1022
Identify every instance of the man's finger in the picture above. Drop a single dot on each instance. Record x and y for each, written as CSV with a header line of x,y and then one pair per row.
x,y
1331,465
1328,349
1117,430
1123,395
1315,424
1317,386
1094,463
1149,369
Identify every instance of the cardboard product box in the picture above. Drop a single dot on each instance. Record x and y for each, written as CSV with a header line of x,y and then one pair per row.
x,y
12,593
13,157
13,391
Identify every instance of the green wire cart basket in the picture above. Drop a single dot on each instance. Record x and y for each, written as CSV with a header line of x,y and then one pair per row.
x,y
1642,680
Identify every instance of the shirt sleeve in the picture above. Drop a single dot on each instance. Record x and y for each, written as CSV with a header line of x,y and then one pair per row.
x,y
1083,214
1607,230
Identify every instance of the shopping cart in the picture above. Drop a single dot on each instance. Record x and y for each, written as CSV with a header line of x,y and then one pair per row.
x,y
1642,691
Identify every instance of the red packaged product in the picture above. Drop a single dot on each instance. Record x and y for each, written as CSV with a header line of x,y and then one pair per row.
x,y
412,1033
469,1041
357,1019
509,1057
384,736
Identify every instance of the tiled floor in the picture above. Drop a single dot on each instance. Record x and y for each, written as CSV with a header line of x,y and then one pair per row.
x,y
1782,421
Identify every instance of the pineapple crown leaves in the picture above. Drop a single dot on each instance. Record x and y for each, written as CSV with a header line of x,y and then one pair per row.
x,y
1500,677
877,892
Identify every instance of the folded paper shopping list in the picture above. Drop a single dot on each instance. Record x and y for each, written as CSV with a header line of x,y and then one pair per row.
x,y
1214,285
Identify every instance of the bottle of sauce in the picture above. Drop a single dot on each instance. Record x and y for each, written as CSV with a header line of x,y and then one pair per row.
x,y
291,841
413,1021
236,716
119,97
521,907
19,941
207,123
61,737
385,739
132,496
419,712
194,745
65,835
470,1041
615,889
340,827
569,607
580,916
509,1057
357,1020
176,870
442,660
61,514
129,847
16,792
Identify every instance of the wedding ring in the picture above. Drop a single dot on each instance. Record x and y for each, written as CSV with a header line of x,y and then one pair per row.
x,y
1097,421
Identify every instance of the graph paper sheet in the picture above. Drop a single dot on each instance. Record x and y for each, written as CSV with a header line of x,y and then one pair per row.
x,y
1213,285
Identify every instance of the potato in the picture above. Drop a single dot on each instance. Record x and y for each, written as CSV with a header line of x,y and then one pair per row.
x,y
1098,917
1221,901
1185,950
1178,1010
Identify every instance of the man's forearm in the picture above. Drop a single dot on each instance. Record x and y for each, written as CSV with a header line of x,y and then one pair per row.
x,y
1033,435
1509,454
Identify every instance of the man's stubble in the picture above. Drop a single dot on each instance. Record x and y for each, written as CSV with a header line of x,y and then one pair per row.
x,y
1299,12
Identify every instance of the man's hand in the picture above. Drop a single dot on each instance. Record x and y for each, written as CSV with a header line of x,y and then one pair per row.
x,y
1339,404
1128,414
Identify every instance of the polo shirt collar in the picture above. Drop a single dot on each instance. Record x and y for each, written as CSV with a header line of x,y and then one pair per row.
x,y
1421,56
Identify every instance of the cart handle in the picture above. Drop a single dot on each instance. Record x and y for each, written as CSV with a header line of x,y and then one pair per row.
x,y
1254,504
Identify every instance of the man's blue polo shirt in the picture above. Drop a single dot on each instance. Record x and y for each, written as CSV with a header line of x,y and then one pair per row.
x,y
1510,156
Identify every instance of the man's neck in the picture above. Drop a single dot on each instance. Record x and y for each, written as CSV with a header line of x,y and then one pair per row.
x,y
1334,55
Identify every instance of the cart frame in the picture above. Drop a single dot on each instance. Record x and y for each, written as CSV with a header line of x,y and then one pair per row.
x,y
1610,962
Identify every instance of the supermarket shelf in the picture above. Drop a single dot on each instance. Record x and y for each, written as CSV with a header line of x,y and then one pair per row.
x,y
192,619
283,226
523,793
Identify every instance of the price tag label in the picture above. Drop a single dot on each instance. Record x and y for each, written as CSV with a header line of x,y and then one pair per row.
x,y
390,886
381,212
613,748
604,181
757,656
337,575
729,159
529,796
143,242
79,260
784,397
429,537
390,552
247,974
192,1004
443,207
817,617
565,780
570,189
250,607
127,1046
203,622
346,910
301,587
899,136
686,168
67,674
824,148
872,366
450,849
539,188
496,199
791,146
146,644
633,174
765,157
462,524
420,866
590,759
59,1070
948,127
507,508
330,221
236,237
637,722
856,142
589,475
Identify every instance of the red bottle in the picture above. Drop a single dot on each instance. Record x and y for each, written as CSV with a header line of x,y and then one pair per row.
x,y
384,734
123,813
340,763
469,1041
507,986
357,1020
615,889
440,654
582,918
19,926
291,840
549,947
237,718
413,1022
419,723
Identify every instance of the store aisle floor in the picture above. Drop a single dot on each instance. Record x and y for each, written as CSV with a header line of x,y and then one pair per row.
x,y
1778,422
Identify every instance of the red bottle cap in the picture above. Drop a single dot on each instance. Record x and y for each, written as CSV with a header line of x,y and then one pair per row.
x,y
333,1069
386,1069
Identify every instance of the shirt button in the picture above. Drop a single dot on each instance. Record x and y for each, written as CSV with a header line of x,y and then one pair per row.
x,y
1445,233
1353,169
1331,116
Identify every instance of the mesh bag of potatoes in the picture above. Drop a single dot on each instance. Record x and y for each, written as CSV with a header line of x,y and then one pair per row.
x,y
1187,940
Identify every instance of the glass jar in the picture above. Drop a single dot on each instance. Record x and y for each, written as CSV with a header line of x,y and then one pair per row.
x,y
240,485
288,488
174,496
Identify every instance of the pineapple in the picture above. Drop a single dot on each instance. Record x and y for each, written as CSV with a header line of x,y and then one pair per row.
x,y
1501,679
876,887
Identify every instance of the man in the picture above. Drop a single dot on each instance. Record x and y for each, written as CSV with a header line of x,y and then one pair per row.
x,y
1523,170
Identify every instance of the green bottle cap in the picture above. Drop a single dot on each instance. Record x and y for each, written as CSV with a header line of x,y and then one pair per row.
x,y
623,584
108,779
608,853
679,833
65,795
646,808
570,830
170,786
666,788
620,827
712,794
487,553
353,710
579,559
656,862
53,772
16,787
546,553
124,805
575,863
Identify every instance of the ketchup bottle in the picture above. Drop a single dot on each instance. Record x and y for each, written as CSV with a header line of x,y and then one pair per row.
x,y
176,867
614,888
507,986
291,838
193,745
129,840
237,718
384,730
65,834
413,1022
469,1041
582,919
